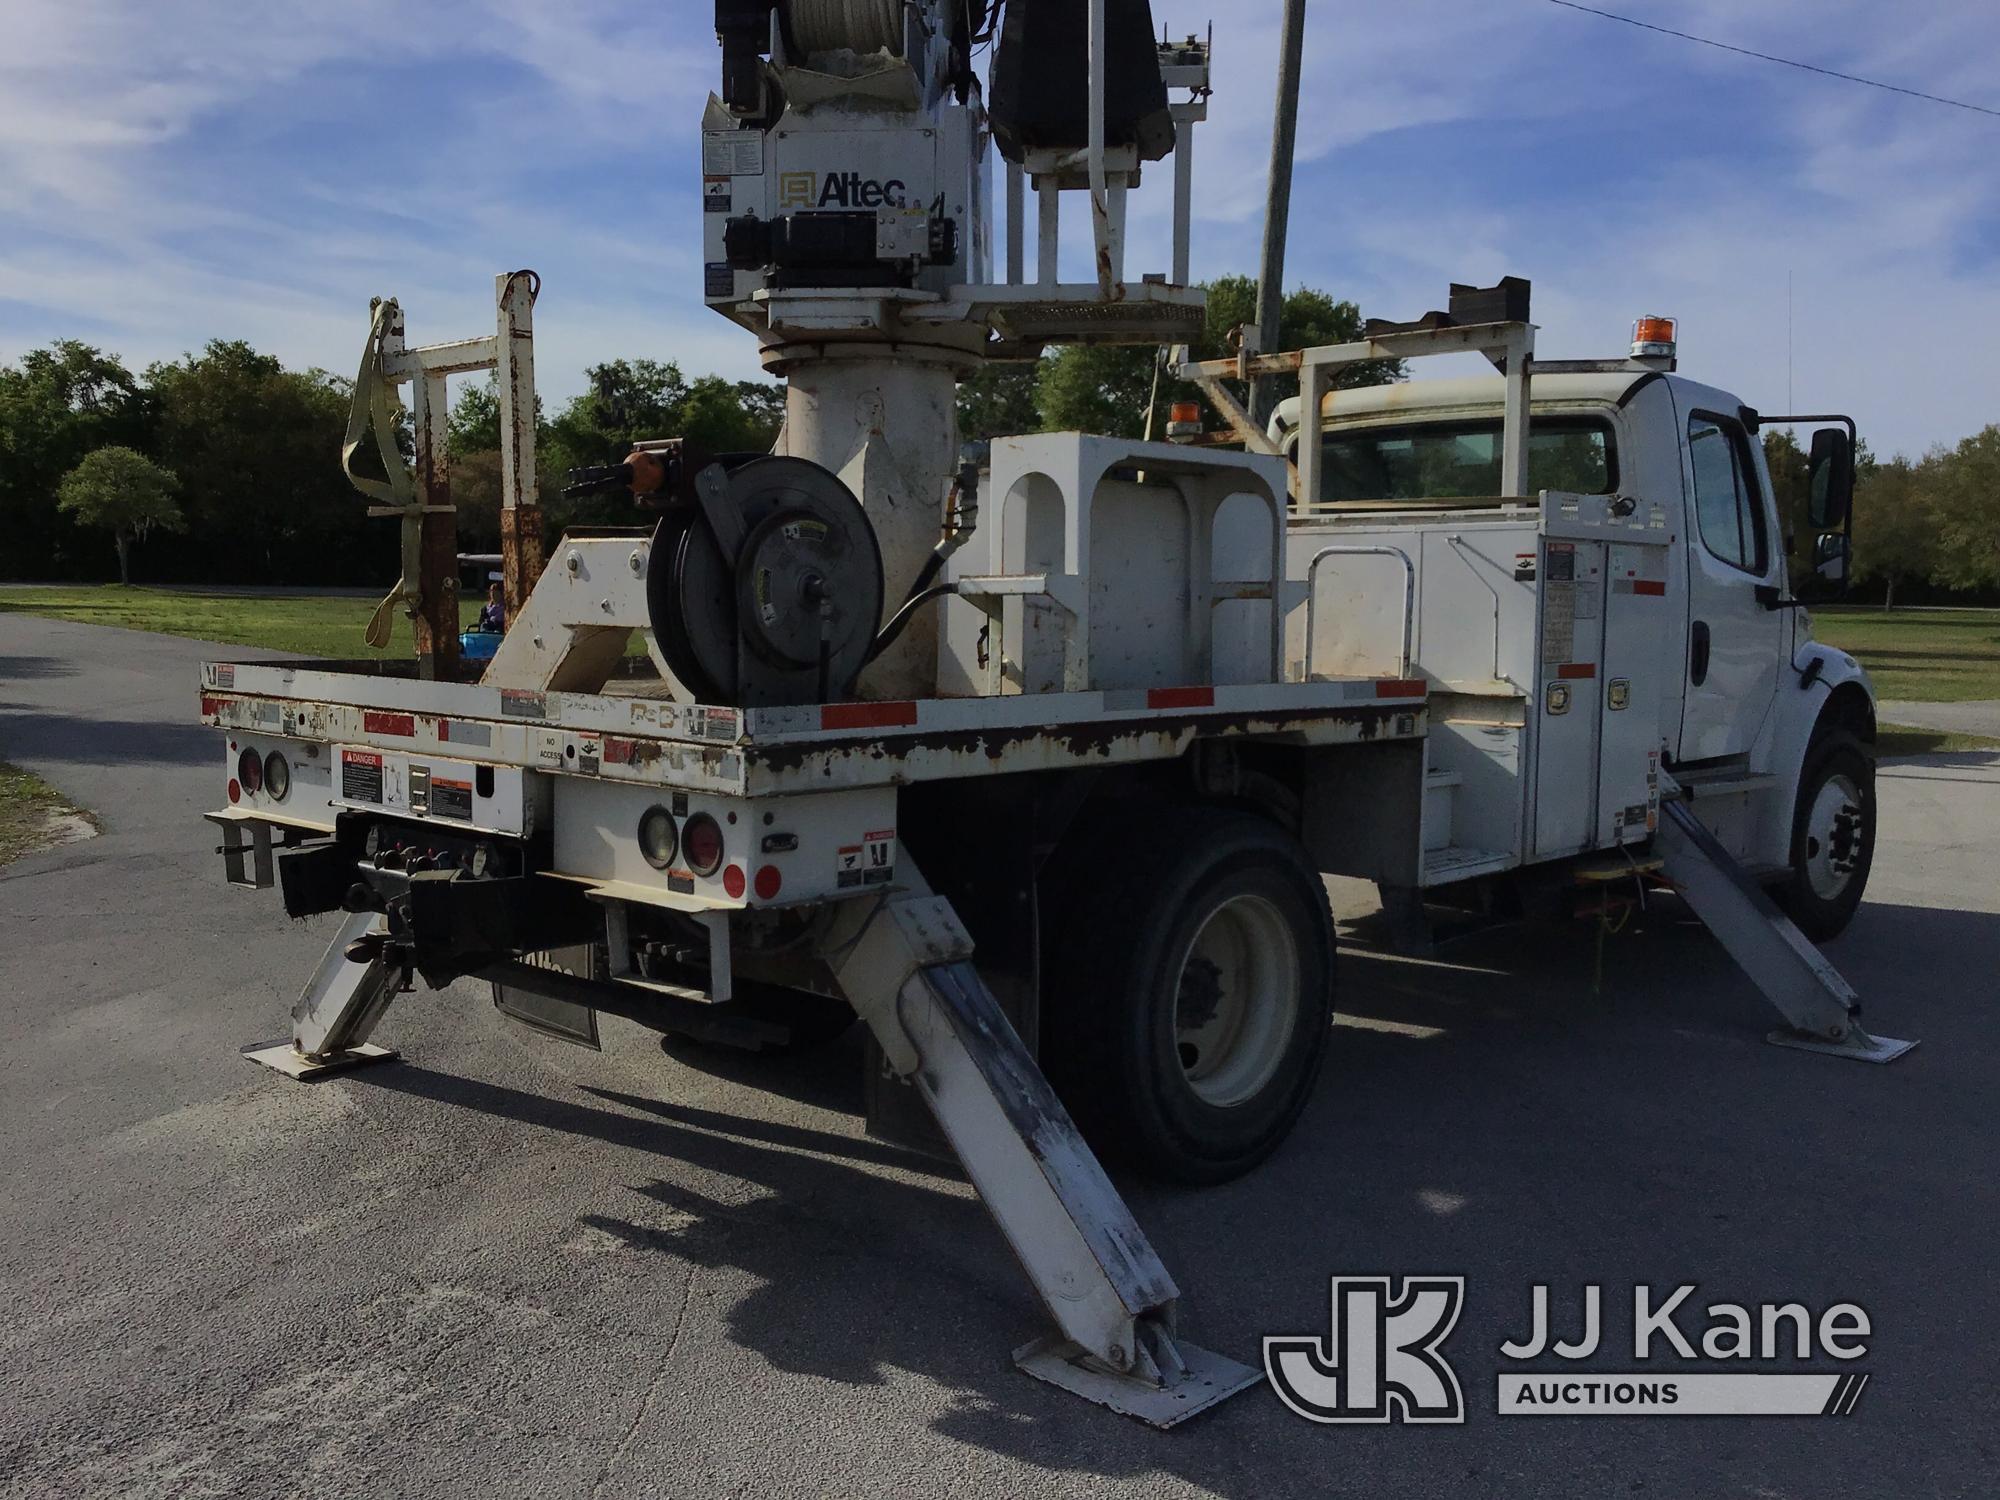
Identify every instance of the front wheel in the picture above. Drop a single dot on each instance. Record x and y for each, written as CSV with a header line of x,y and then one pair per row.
x,y
1833,836
1189,994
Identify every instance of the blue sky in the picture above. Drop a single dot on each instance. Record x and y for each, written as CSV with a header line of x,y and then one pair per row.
x,y
178,170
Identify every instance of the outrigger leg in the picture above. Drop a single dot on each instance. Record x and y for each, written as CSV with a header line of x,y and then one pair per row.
x,y
1820,1009
340,1005
910,977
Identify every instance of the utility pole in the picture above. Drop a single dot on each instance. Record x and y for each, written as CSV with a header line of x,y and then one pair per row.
x,y
1277,208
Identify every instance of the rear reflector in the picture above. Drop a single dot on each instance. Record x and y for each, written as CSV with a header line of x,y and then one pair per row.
x,y
732,882
404,725
1180,697
1648,586
1576,669
1400,687
867,715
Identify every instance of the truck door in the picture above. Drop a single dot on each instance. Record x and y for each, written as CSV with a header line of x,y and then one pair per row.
x,y
1736,645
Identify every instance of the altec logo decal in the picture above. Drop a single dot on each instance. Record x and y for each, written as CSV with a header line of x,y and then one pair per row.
x,y
838,190
1381,1362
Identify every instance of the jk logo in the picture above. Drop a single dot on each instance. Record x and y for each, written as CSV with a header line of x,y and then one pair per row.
x,y
1381,1361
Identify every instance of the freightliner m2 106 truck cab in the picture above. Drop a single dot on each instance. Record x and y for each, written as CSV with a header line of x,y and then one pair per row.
x,y
1769,731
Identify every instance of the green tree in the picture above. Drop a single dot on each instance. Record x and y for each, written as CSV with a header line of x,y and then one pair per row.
x,y
1788,467
1895,526
1108,388
257,450
1963,485
57,405
123,492
475,419
732,416
998,399
1104,388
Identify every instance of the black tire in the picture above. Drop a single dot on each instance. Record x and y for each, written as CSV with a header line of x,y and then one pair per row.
x,y
1830,863
1128,953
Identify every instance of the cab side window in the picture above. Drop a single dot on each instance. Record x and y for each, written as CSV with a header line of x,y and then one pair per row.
x,y
1725,494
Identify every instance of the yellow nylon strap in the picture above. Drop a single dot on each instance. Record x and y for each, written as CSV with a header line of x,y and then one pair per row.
x,y
375,407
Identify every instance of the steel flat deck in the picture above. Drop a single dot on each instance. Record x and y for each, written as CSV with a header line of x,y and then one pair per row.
x,y
766,751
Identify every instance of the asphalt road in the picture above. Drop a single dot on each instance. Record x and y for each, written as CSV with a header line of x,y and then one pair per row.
x,y
505,1267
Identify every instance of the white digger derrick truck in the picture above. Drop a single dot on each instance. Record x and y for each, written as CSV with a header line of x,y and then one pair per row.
x,y
1035,761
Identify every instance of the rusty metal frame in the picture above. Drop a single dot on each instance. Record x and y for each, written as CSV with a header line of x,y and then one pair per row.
x,y
509,352
1509,346
520,502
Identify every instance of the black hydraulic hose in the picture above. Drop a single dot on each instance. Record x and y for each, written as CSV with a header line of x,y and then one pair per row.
x,y
920,597
927,574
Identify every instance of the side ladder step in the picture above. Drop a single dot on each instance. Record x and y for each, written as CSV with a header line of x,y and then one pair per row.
x,y
1819,1007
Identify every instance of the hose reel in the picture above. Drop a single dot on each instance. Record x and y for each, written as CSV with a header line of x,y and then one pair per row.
x,y
765,586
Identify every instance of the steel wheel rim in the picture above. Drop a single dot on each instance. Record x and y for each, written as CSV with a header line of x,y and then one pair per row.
x,y
1835,837
1236,1000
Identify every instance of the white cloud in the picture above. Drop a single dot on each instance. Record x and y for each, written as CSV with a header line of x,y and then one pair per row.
x,y
456,138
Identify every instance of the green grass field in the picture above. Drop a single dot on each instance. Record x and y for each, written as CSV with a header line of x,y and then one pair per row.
x,y
1929,655
303,625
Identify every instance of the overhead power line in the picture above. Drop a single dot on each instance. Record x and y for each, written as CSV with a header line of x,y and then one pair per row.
x,y
1804,67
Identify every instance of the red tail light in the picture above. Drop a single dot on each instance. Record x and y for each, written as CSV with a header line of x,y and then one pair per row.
x,y
250,771
701,843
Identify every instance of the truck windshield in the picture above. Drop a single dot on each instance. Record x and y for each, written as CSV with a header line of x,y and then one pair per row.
x,y
1461,460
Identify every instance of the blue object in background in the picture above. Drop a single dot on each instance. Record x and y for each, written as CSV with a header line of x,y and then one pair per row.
x,y
479,645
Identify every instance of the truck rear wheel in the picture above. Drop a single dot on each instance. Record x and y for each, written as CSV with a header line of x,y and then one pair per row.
x,y
1833,836
1189,999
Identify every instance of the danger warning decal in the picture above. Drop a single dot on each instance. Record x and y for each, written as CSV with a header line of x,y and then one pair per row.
x,y
360,776
870,862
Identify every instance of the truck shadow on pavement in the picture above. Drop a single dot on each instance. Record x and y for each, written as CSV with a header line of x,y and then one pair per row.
x,y
34,733
1483,1115
24,667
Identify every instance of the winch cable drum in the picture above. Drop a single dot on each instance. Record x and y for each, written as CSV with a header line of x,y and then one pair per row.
x,y
859,25
765,588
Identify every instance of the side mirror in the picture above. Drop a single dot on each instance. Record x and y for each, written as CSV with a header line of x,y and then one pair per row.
x,y
1830,483
1831,554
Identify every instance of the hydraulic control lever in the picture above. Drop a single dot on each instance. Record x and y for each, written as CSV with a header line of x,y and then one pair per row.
x,y
653,473
598,479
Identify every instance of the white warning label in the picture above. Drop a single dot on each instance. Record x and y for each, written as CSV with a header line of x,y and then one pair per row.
x,y
870,862
732,153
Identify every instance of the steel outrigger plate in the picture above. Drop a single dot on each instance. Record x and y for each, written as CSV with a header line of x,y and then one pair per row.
x,y
1203,1380
1857,1044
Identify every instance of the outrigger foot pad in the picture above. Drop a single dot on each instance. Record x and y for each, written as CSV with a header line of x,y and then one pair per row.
x,y
1857,1044
1203,1380
288,1060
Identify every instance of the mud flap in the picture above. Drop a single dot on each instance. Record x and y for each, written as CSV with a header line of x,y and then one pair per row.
x,y
564,1020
